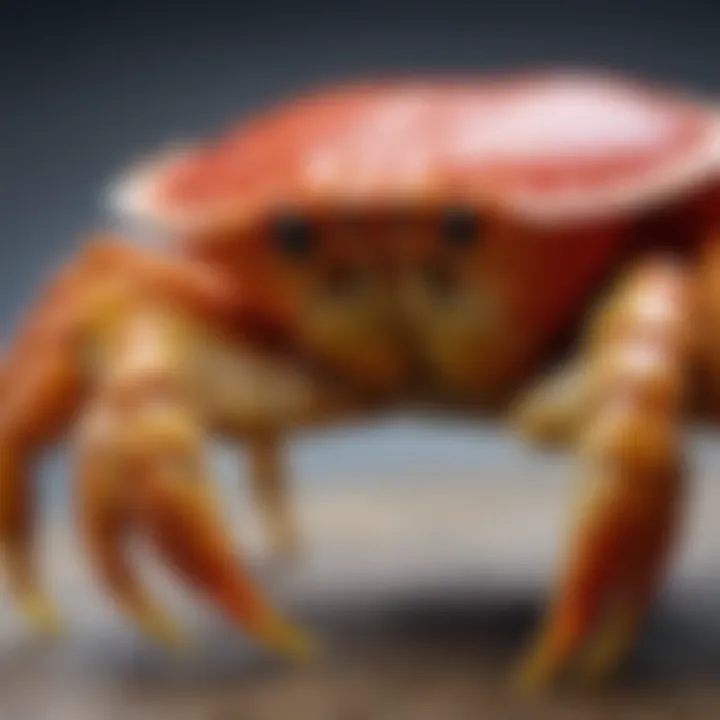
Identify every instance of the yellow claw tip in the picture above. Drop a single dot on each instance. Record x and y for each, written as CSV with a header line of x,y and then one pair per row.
x,y
163,630
290,641
42,616
170,637
531,681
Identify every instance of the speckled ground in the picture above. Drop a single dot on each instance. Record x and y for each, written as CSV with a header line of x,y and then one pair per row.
x,y
424,597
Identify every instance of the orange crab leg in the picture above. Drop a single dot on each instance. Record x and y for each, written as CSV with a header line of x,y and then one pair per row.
x,y
147,390
107,520
707,396
41,386
555,407
36,403
188,530
629,511
45,377
242,305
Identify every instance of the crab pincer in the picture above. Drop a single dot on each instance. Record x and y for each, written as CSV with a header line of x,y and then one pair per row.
x,y
142,471
183,523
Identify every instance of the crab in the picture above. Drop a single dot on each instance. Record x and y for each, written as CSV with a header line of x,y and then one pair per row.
x,y
538,249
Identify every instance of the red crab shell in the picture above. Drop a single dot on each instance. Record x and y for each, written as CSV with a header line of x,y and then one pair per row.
x,y
548,148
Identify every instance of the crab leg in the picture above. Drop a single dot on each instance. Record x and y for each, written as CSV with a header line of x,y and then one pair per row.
x,y
707,397
36,402
269,487
187,528
146,385
629,447
107,521
41,387
43,380
553,410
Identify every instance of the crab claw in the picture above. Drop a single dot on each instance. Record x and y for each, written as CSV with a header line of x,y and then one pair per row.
x,y
148,478
174,508
187,530
143,471
107,522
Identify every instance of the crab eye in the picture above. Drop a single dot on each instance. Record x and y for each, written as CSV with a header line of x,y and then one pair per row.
x,y
460,226
292,234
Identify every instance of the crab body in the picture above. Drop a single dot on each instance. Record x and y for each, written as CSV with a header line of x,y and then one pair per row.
x,y
410,244
491,212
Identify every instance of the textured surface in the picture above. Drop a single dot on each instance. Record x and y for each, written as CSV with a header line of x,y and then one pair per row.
x,y
424,596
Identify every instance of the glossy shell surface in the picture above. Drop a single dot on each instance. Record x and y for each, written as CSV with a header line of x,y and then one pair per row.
x,y
550,148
